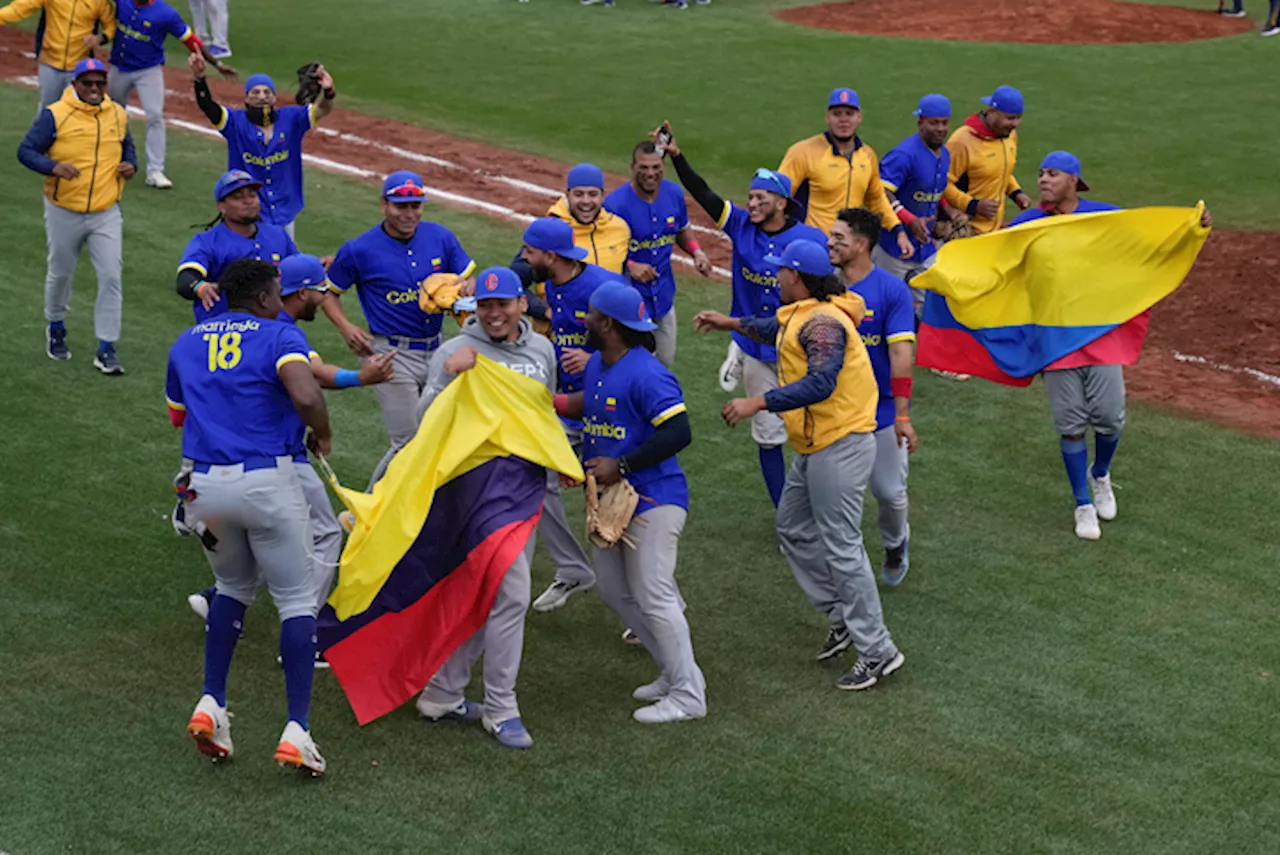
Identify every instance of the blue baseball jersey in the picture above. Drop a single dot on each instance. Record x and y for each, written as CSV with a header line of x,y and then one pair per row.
x,y
917,175
275,161
211,252
755,281
225,373
569,304
622,406
1086,206
141,31
654,226
890,318
386,272
286,318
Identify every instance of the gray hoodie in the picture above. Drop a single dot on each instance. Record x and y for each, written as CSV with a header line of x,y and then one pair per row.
x,y
530,354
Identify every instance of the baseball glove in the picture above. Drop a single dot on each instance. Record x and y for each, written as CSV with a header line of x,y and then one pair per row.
x,y
438,292
308,84
955,229
609,512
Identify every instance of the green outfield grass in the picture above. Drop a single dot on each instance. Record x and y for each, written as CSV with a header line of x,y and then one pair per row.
x,y
1058,697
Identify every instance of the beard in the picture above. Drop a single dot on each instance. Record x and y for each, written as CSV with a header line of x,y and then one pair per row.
x,y
594,341
540,274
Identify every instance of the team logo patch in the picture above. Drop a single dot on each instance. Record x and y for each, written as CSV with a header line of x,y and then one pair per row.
x,y
640,311
491,282
671,221
611,404
146,23
844,97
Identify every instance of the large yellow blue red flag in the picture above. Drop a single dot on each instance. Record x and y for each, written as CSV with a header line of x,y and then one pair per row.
x,y
433,541
1055,292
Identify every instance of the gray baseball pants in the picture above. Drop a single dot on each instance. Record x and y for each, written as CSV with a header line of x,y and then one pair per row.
x,y
53,82
1091,396
640,586
209,20
398,397
67,233
260,521
562,545
326,532
665,339
150,85
820,526
889,486
501,640
903,269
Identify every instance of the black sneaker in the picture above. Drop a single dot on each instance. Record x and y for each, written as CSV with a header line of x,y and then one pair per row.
x,y
56,343
895,565
107,362
867,672
838,641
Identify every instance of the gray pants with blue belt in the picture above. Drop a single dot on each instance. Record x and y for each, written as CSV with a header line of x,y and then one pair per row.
x,y
53,82
398,397
150,85
67,233
562,544
820,526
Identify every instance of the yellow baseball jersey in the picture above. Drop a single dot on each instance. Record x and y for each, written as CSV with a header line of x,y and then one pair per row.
x,y
827,181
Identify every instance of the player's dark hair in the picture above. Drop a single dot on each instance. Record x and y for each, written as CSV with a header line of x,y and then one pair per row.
x,y
635,338
646,147
821,288
862,223
245,279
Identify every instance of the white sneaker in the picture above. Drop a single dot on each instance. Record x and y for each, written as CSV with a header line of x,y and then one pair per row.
x,y
158,181
1087,527
1104,496
210,727
731,368
299,750
199,605
557,595
663,712
950,375
651,692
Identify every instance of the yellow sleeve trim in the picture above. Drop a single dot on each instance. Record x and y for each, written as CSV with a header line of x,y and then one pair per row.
x,y
311,114
174,405
222,123
471,268
192,265
291,357
724,215
313,356
669,413
888,185
904,336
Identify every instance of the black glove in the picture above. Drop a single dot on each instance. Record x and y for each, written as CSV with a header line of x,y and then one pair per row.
x,y
308,84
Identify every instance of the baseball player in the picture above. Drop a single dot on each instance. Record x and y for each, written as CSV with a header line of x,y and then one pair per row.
x,y
654,209
137,62
635,423
888,334
265,140
242,388
1084,392
238,232
552,256
498,331
836,170
386,265
984,152
762,229
828,396
210,18
1270,28
68,32
81,144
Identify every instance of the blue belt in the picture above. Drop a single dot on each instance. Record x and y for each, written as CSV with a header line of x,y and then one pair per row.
x,y
250,463
401,343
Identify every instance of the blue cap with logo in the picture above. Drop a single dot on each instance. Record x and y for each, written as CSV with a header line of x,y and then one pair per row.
x,y
1065,161
933,107
624,304
585,175
232,181
805,256
84,66
551,234
1006,99
498,283
300,272
844,97
403,186
258,80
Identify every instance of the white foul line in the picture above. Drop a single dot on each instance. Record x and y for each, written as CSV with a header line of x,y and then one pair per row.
x,y
1230,369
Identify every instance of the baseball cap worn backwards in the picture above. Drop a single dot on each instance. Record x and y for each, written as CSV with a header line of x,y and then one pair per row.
x,y
403,186
85,66
585,175
805,256
232,181
624,304
299,272
258,80
498,283
844,97
1065,161
933,107
1006,99
551,234
773,182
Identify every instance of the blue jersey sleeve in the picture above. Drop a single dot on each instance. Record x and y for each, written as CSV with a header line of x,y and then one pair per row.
x,y
298,119
173,386
175,26
734,222
660,397
894,169
290,248
343,272
900,313
682,211
198,255
456,258
291,346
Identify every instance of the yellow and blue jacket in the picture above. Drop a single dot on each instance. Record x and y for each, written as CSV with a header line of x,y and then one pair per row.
x,y
827,181
606,240
94,139
63,26
981,168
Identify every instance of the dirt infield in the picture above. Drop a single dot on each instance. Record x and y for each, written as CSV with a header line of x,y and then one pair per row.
x,y
1077,22
1204,340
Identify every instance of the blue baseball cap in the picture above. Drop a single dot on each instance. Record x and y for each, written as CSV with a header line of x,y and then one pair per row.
x,y
1006,99
300,272
933,107
258,80
844,97
551,234
84,66
498,283
232,181
624,304
403,186
585,175
806,256
1065,161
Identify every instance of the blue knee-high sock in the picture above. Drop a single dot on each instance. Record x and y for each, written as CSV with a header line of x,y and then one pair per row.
x,y
1273,17
1104,447
298,654
1075,455
774,467
222,631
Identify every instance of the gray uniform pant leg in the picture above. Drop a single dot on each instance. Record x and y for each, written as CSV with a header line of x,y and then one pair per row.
x,y
665,339
199,18
219,17
150,85
398,398
326,532
639,585
501,640
67,233
889,486
260,521
1085,397
53,82
288,227
767,429
820,527
562,544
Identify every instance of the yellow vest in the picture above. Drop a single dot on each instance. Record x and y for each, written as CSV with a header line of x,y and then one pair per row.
x,y
66,23
606,240
91,139
836,181
852,406
981,168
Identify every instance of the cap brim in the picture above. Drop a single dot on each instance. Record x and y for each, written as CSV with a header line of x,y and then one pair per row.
x,y
1081,186
638,326
256,185
488,296
404,200
773,259
577,253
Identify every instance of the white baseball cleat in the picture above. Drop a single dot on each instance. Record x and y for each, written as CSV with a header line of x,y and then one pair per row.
x,y
1104,496
199,605
1087,527
664,711
651,692
158,181
299,750
210,727
557,594
731,368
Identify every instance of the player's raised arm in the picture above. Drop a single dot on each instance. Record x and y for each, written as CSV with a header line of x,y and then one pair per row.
x,y
213,111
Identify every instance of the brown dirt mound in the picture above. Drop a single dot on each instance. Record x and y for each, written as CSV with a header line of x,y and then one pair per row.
x,y
1075,22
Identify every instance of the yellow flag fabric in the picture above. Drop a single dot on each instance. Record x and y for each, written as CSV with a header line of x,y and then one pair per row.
x,y
489,411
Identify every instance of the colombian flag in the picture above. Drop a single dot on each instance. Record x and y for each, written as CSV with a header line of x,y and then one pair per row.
x,y
1058,292
434,539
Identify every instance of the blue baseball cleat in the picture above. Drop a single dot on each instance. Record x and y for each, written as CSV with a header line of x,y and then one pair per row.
x,y
510,733
464,710
896,563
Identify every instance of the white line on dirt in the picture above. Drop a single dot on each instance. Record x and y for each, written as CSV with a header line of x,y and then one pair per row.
x,y
1229,369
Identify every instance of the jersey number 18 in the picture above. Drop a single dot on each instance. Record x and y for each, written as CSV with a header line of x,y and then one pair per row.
x,y
224,350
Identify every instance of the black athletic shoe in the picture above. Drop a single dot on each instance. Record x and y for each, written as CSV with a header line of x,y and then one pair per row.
x,y
56,343
867,672
838,641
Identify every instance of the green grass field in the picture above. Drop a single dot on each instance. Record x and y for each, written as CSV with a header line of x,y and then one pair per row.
x,y
1059,697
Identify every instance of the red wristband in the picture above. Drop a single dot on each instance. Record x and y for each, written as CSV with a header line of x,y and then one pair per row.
x,y
561,403
900,386
692,246
905,216
177,418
